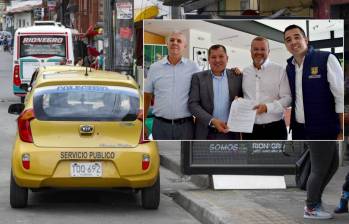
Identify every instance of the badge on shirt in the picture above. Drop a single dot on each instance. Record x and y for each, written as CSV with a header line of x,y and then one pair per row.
x,y
314,73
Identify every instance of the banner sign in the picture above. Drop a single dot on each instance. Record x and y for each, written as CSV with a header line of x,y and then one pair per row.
x,y
124,10
239,157
51,5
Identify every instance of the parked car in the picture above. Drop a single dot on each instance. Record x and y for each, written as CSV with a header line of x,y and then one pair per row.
x,y
80,128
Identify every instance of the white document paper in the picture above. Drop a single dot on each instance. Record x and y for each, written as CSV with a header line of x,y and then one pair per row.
x,y
241,116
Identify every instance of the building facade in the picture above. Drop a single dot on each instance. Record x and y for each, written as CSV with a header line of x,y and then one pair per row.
x,y
3,5
321,9
22,14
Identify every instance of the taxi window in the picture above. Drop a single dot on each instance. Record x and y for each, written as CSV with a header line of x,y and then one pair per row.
x,y
86,103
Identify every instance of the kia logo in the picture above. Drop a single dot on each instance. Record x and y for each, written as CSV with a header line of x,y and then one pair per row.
x,y
86,129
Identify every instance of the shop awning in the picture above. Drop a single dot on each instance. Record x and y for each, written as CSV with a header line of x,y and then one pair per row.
x,y
149,12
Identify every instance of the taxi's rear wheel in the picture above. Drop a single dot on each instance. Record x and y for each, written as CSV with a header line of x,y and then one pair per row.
x,y
151,196
18,195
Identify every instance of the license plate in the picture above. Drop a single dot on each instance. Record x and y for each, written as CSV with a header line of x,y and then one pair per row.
x,y
78,169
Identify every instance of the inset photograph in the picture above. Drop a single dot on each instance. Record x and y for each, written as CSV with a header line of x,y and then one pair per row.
x,y
243,79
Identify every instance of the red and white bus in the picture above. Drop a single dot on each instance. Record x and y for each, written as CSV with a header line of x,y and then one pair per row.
x,y
45,43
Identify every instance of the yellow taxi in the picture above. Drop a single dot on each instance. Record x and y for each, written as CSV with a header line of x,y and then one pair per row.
x,y
82,128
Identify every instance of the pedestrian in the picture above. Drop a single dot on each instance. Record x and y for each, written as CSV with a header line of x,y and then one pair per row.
x,y
266,83
317,85
168,82
211,94
5,43
79,61
343,203
89,61
324,161
100,60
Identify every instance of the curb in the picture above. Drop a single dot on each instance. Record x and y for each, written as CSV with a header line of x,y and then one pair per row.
x,y
170,165
202,181
204,212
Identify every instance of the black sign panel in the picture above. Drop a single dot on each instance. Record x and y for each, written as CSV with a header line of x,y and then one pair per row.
x,y
42,45
239,157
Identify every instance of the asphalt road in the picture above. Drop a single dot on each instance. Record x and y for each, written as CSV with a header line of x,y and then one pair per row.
x,y
72,206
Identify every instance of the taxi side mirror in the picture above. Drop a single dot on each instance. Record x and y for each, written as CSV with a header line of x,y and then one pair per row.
x,y
25,87
16,108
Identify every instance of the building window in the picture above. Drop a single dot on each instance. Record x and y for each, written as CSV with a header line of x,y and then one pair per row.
x,y
85,7
244,4
221,7
153,53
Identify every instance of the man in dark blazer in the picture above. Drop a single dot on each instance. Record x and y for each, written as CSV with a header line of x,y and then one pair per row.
x,y
210,97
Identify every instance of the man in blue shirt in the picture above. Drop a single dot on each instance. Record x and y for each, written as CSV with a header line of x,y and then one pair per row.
x,y
210,97
168,81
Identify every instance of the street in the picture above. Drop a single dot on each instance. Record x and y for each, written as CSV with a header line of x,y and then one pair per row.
x,y
73,206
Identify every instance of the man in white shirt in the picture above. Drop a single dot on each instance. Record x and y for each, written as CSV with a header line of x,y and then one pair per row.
x,y
317,86
265,83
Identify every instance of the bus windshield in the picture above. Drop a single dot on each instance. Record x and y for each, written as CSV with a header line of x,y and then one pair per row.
x,y
42,45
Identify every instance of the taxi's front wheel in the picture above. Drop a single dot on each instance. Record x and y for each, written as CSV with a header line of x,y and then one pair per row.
x,y
18,195
151,195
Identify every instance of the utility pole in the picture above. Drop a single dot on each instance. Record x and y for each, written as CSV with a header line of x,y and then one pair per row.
x,y
124,36
176,12
108,34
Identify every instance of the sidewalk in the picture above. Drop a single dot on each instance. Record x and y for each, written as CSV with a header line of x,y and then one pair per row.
x,y
246,206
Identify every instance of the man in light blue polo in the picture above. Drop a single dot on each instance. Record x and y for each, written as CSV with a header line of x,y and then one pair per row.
x,y
168,82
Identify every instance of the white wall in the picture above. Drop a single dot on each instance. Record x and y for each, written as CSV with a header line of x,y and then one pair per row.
x,y
23,16
279,55
241,58
238,57
196,38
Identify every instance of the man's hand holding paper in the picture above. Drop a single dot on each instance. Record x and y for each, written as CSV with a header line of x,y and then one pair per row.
x,y
242,115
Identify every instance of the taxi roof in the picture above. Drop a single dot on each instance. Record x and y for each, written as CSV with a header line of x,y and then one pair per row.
x,y
74,75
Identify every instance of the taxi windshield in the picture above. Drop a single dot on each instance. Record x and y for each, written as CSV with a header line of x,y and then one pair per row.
x,y
86,103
